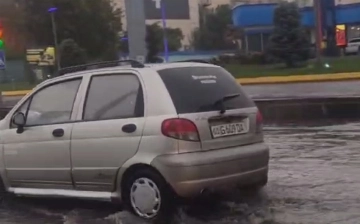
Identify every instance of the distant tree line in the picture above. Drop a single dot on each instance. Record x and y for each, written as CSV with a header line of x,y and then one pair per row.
x,y
90,30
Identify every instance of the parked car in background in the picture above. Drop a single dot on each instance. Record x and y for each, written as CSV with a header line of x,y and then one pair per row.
x,y
142,134
353,46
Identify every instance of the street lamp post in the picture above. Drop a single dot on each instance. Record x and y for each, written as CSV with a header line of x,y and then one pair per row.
x,y
163,18
57,55
318,30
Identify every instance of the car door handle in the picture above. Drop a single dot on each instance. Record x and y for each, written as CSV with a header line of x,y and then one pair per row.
x,y
129,128
58,132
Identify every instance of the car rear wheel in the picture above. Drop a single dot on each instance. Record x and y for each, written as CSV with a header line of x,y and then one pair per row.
x,y
148,195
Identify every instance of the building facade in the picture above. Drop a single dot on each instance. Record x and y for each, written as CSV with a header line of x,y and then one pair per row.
x,y
183,14
255,18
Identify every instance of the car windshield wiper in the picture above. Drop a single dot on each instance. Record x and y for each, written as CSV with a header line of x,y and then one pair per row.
x,y
220,103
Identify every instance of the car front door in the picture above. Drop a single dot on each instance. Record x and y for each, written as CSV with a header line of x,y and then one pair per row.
x,y
110,131
39,156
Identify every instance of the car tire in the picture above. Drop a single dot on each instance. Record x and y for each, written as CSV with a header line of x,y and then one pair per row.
x,y
147,195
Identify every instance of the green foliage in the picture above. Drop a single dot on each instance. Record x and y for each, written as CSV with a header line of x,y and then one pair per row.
x,y
93,24
71,54
213,30
289,42
174,36
155,40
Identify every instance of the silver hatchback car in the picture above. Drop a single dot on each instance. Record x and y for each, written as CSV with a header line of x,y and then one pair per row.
x,y
139,134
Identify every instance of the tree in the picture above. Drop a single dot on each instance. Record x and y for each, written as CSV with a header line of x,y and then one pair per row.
x,y
211,35
174,36
94,25
288,41
155,40
71,54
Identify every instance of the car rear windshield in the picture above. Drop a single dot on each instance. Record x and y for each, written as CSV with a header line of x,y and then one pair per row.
x,y
196,89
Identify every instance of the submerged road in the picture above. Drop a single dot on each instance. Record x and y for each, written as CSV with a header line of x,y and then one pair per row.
x,y
314,179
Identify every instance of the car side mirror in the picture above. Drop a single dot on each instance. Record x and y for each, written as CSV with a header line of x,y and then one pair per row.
x,y
19,120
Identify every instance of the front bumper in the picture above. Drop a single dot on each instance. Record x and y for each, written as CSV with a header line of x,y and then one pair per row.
x,y
190,173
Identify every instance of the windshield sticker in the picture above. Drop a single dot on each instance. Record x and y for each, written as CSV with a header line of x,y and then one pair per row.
x,y
205,79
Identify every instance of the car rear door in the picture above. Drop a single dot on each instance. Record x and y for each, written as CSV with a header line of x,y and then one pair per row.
x,y
212,99
109,130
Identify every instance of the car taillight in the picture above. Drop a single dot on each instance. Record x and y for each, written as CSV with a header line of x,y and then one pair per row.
x,y
181,129
259,122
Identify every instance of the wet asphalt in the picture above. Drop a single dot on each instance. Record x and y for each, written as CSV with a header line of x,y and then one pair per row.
x,y
314,179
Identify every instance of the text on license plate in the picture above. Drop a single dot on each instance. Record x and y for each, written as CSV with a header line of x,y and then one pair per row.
x,y
228,129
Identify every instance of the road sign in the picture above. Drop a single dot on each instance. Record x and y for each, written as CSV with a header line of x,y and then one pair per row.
x,y
41,56
2,60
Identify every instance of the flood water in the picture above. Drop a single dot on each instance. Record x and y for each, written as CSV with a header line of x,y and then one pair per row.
x,y
314,178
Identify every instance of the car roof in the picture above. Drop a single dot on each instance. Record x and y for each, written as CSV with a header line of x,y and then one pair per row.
x,y
114,69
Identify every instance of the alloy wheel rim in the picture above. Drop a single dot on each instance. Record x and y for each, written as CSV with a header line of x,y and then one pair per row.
x,y
145,198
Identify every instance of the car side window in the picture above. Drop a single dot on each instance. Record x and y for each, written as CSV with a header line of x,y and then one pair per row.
x,y
114,97
52,104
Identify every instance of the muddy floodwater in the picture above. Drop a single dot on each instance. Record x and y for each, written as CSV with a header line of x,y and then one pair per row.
x,y
314,178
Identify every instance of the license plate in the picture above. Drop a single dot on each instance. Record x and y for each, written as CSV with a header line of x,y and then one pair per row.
x,y
228,129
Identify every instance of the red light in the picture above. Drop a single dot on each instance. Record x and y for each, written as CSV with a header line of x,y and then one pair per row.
x,y
181,129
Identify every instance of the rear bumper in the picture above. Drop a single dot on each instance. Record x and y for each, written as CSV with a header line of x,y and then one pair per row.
x,y
190,173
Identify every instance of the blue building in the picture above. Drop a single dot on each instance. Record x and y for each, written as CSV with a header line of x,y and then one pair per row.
x,y
256,21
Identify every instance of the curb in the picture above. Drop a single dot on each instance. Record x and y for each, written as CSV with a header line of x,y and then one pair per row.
x,y
300,78
15,93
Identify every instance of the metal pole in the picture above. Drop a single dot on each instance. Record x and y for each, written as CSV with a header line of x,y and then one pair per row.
x,y
136,29
318,30
204,13
57,55
166,45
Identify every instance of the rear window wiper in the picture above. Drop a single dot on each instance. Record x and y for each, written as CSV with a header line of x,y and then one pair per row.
x,y
220,103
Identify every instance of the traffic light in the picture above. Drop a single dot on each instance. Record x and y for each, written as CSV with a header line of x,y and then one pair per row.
x,y
2,43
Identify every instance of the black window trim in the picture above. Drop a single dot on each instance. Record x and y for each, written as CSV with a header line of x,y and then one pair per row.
x,y
112,74
30,98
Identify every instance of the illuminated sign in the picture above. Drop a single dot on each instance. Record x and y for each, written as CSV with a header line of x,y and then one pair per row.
x,y
341,35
